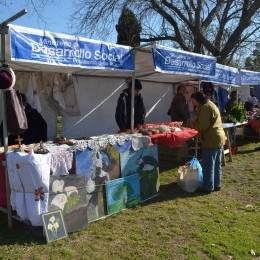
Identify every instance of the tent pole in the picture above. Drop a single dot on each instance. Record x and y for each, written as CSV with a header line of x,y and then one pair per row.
x,y
133,96
133,88
3,32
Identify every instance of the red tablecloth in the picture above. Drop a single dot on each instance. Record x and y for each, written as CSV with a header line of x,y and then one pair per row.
x,y
255,124
176,138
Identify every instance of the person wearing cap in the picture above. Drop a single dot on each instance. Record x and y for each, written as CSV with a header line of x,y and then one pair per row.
x,y
123,109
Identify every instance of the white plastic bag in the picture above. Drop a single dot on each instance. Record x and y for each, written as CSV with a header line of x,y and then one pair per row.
x,y
188,178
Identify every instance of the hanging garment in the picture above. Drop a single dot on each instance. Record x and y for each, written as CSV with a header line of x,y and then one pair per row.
x,y
32,94
57,94
16,118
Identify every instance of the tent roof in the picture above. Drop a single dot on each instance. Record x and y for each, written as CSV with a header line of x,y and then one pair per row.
x,y
20,54
250,78
225,75
149,64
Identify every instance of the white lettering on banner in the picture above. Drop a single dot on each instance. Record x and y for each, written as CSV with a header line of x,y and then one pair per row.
x,y
251,78
189,64
104,56
58,52
79,53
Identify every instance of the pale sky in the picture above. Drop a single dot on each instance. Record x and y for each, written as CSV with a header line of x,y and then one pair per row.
x,y
56,16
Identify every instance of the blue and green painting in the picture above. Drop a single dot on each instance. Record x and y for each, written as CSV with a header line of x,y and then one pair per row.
x,y
122,193
145,163
99,165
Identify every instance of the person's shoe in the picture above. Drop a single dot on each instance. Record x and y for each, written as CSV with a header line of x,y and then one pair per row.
x,y
203,192
217,189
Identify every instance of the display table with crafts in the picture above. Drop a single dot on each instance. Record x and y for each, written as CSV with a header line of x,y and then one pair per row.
x,y
172,134
112,173
91,178
230,131
171,139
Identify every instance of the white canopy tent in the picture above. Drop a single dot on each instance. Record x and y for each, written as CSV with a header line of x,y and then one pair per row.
x,y
100,70
36,51
164,64
225,76
248,79
99,63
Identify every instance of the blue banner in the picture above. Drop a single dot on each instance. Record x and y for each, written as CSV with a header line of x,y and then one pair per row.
x,y
31,45
224,75
171,60
249,77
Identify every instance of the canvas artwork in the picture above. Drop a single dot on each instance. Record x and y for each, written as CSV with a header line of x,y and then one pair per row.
x,y
54,226
68,194
145,163
98,166
122,193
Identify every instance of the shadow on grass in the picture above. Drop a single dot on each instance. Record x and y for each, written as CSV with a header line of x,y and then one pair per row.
x,y
248,151
172,191
20,233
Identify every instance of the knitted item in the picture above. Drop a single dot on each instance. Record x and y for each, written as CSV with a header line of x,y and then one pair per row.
x,y
7,78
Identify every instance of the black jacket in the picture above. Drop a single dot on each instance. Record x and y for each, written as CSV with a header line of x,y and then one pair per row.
x,y
179,109
37,128
123,111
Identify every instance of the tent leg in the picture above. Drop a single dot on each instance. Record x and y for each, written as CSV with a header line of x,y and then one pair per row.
x,y
9,211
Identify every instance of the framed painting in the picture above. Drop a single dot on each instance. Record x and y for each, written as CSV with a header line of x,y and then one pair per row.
x,y
54,226
68,194
122,193
99,166
145,163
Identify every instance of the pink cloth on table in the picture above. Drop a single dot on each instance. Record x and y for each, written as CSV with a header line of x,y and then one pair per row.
x,y
61,159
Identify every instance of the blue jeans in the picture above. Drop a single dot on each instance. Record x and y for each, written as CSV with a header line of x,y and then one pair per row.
x,y
211,167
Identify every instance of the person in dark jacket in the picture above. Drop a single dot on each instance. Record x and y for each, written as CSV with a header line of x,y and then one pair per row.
x,y
231,102
123,109
179,106
37,126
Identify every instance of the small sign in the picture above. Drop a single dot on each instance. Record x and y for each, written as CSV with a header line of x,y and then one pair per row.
x,y
54,226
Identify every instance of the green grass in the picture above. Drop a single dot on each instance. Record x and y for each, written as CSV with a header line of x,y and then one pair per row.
x,y
174,225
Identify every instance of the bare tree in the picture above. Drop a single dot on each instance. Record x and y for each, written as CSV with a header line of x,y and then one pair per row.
x,y
221,28
252,62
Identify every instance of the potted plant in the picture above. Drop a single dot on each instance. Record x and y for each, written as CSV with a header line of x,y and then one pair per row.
x,y
237,114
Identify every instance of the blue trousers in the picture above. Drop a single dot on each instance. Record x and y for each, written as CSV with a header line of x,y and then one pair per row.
x,y
211,167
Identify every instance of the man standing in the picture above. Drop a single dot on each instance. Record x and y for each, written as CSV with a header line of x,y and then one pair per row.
x,y
123,109
179,106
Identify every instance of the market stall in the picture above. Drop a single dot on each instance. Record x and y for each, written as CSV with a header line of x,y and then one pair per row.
x,y
252,79
110,175
36,51
164,64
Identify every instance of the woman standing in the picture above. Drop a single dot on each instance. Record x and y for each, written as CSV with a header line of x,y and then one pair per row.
x,y
212,136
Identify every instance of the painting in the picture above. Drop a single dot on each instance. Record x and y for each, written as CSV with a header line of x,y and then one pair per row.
x,y
54,226
99,166
68,194
122,193
145,163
